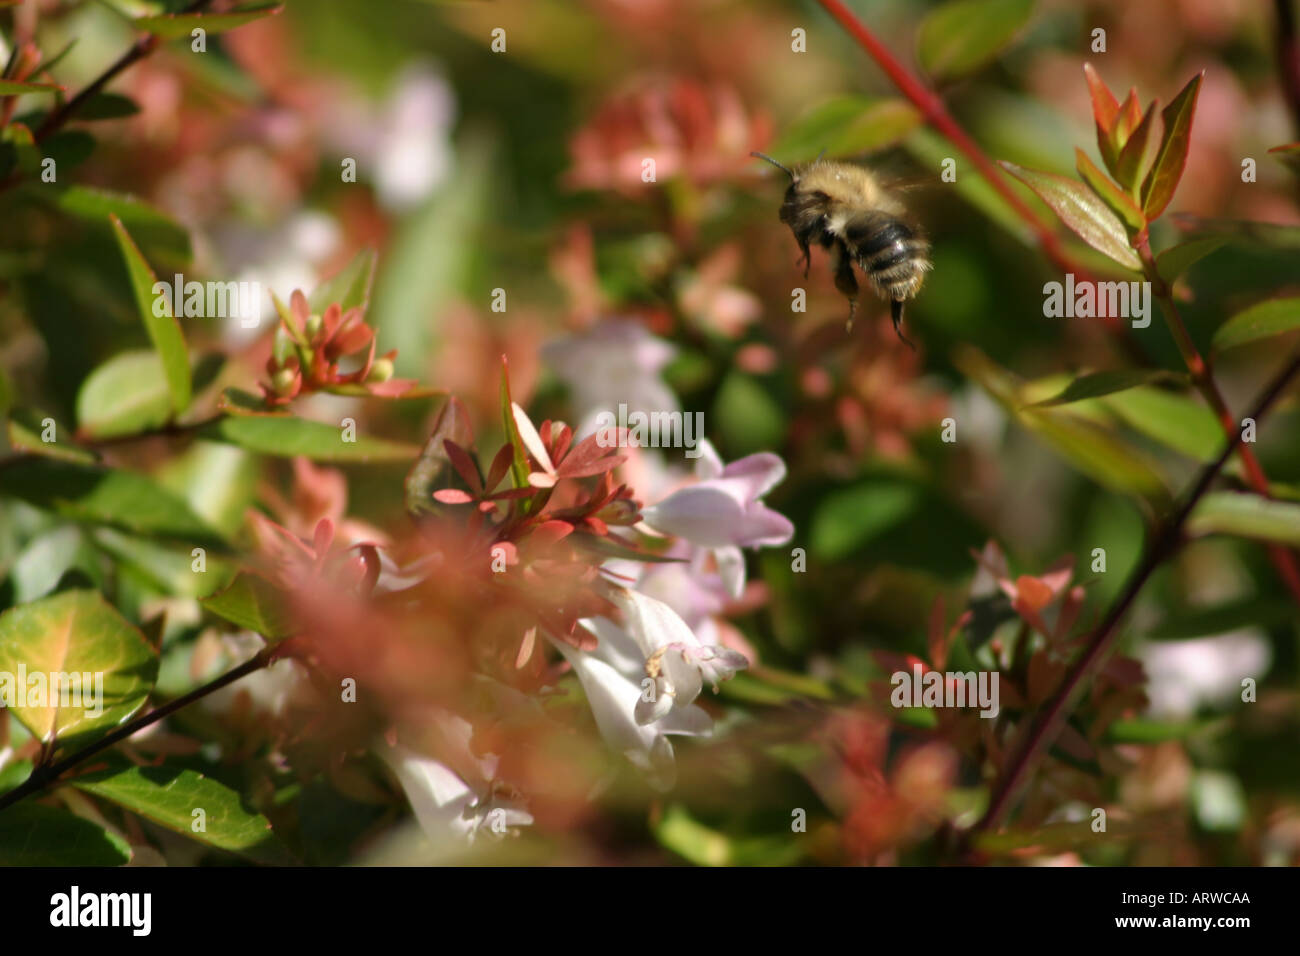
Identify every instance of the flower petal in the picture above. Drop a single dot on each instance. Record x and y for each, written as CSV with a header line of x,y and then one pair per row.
x,y
532,441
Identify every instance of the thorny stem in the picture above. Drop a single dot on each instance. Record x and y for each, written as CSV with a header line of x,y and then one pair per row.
x,y
44,776
1050,718
1283,559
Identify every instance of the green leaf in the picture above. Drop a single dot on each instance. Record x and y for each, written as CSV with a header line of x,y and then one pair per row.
x,y
350,287
104,106
109,496
1132,157
1108,192
32,834
69,147
156,232
256,604
169,796
164,330
13,774
126,395
1096,384
1083,211
959,37
1261,321
1247,516
26,429
1097,453
14,88
1184,623
1161,182
1091,448
76,633
288,437
519,463
171,25
846,125
217,480
849,519
1174,261
1180,422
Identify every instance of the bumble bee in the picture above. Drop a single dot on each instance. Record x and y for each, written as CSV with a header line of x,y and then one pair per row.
x,y
847,210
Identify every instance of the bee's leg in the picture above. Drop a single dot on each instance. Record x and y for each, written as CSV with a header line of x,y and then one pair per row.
x,y
896,313
845,280
806,257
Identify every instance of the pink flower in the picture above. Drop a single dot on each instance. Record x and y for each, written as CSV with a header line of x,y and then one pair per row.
x,y
723,511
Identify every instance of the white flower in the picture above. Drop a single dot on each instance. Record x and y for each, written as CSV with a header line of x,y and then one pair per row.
x,y
614,694
723,510
674,659
1184,675
452,806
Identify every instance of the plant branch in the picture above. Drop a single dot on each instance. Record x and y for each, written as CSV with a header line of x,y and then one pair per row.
x,y
1283,559
1288,58
1047,724
58,118
44,776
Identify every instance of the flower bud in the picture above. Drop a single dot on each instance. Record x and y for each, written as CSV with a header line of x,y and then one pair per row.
x,y
313,325
283,381
380,371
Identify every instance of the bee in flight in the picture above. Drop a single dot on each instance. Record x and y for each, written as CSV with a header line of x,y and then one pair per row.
x,y
847,210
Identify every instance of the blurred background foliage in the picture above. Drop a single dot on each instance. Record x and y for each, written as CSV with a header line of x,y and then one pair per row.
x,y
515,177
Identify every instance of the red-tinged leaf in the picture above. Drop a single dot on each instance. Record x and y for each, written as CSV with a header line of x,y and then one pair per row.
x,y
1105,108
560,444
428,471
500,465
510,494
1083,211
1044,673
1161,182
1286,148
452,496
590,457
1119,201
1132,157
1130,114
464,465
550,532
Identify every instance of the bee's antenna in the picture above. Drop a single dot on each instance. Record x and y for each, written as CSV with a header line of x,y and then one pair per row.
x,y
820,156
780,166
